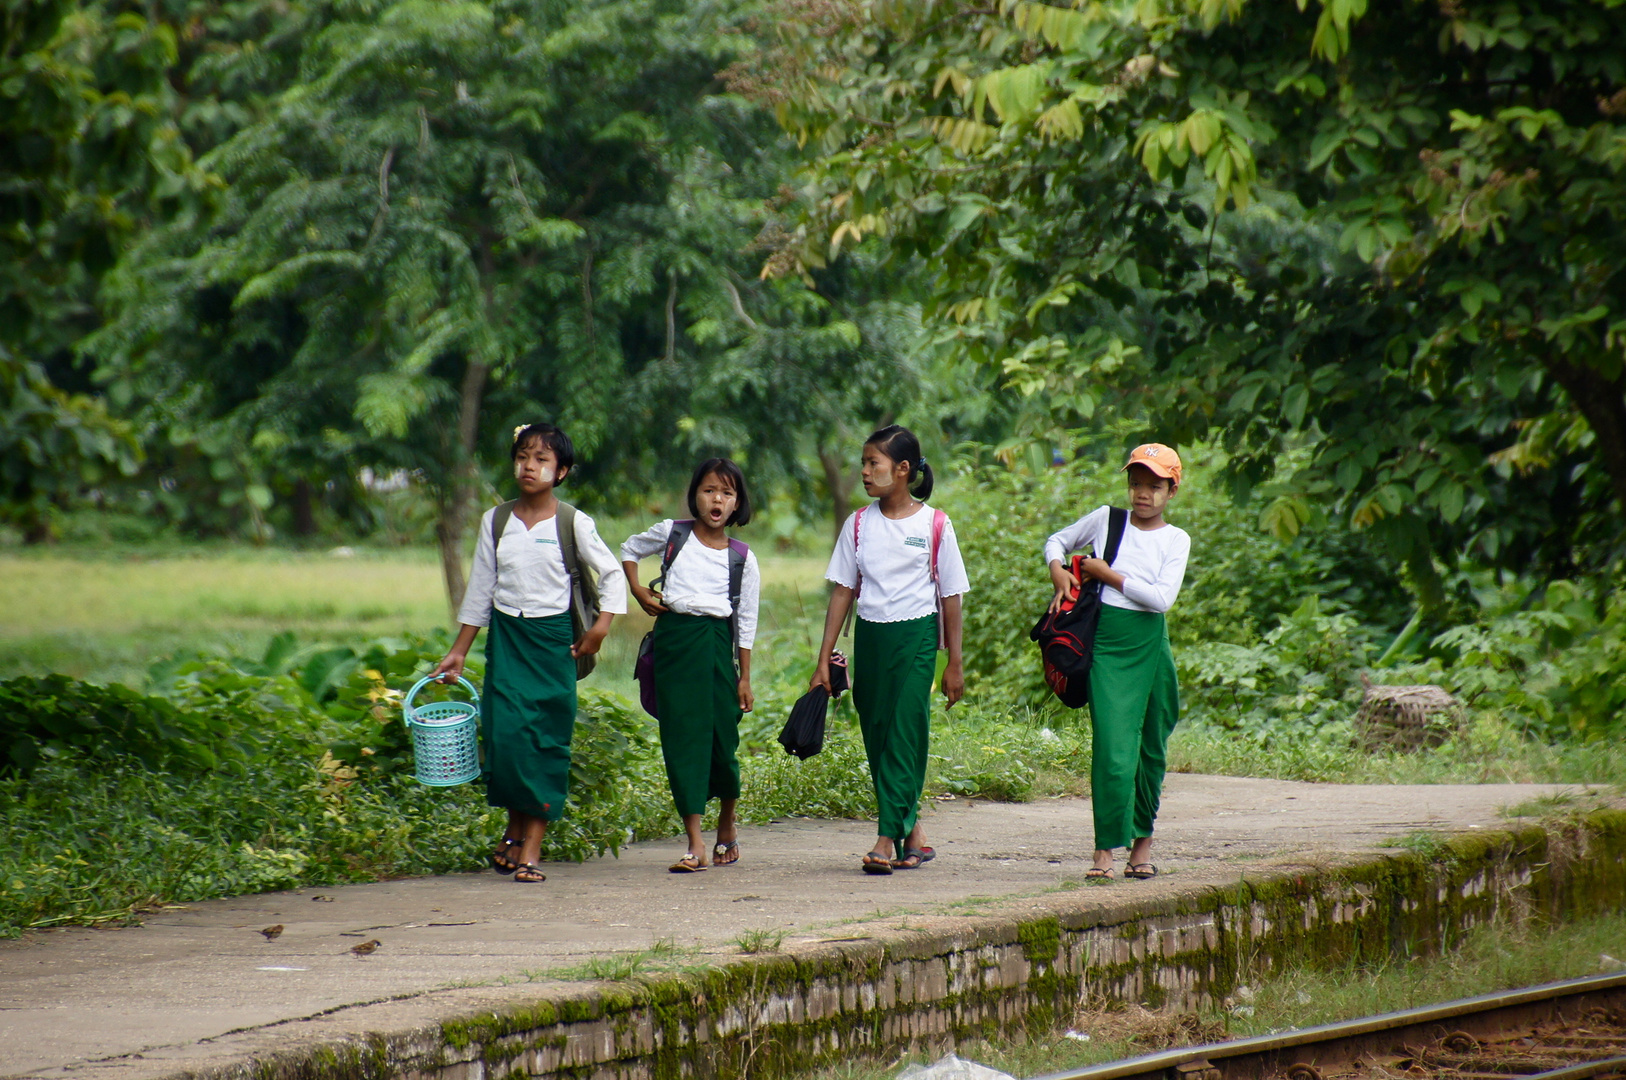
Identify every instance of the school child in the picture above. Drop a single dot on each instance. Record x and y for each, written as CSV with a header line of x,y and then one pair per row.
x,y
521,588
1134,695
899,559
700,630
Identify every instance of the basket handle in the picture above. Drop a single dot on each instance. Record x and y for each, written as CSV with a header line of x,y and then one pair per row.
x,y
406,704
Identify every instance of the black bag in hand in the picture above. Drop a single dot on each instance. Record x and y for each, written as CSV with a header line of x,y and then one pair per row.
x,y
803,733
1067,637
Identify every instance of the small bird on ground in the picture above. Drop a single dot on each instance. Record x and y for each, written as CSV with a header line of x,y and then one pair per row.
x,y
366,948
271,932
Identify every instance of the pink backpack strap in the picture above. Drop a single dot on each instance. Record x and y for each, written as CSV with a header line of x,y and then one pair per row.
x,y
858,575
939,521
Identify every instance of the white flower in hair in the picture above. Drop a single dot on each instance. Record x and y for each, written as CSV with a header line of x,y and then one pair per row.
x,y
519,428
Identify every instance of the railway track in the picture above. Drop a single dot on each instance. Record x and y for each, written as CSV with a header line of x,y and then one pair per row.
x,y
1563,1031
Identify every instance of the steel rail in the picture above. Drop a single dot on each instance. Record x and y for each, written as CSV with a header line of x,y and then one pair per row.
x,y
1265,1056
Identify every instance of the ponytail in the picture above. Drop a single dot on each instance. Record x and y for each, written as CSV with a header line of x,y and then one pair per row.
x,y
900,444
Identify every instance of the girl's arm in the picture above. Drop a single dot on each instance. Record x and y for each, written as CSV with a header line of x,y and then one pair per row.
x,y
841,598
647,598
450,667
747,701
652,541
954,672
594,635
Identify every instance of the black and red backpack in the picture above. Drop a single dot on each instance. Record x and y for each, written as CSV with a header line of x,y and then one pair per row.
x,y
1067,637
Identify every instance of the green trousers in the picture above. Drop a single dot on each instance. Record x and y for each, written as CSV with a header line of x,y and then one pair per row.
x,y
528,713
893,665
1134,705
697,694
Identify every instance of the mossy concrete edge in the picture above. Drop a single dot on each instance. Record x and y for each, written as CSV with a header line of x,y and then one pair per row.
x,y
1024,965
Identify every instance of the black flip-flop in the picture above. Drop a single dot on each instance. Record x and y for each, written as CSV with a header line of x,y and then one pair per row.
x,y
1142,870
1096,875
922,856
876,863
720,850
499,858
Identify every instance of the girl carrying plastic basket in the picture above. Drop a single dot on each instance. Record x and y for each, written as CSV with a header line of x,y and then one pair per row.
x,y
522,588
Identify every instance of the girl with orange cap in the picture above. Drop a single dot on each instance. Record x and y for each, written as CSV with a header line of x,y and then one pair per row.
x,y
1134,695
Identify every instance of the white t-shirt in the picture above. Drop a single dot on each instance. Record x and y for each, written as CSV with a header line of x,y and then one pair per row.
x,y
895,560
531,580
1153,562
697,582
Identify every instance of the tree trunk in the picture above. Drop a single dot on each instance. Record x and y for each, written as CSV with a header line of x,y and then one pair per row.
x,y
460,491
303,508
840,484
1602,401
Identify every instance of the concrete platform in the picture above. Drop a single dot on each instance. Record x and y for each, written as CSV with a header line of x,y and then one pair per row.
x,y
197,990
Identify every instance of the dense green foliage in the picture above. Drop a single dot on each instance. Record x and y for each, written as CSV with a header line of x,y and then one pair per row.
x,y
1271,637
1420,268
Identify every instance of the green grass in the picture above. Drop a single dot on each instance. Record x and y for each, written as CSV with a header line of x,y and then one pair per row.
x,y
1492,959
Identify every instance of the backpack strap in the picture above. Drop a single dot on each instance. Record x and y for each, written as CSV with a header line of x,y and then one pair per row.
x,y
681,531
939,523
583,590
858,575
499,523
1117,519
737,551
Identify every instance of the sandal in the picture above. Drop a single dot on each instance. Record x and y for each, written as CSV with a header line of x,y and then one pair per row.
x,y
726,854
876,863
528,874
1140,870
499,858
914,858
1097,873
689,864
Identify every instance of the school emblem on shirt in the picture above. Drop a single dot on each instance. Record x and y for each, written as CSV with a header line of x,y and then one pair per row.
x,y
915,542
547,540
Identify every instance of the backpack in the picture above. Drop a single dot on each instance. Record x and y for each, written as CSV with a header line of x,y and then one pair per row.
x,y
643,669
583,588
939,522
1067,637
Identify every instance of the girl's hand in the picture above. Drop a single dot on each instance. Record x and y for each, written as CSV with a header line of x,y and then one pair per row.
x,y
747,700
450,668
589,643
1095,568
1066,584
821,677
953,682
649,600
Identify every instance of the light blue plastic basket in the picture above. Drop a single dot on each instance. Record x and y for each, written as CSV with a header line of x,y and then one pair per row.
x,y
445,736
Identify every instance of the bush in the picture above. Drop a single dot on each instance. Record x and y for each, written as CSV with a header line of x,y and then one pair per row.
x,y
1239,582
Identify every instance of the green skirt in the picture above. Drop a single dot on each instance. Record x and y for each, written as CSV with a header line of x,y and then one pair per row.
x,y
893,665
1134,705
697,694
528,714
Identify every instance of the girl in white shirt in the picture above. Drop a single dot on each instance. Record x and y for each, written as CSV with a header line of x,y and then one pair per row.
x,y
1134,694
521,588
899,558
699,634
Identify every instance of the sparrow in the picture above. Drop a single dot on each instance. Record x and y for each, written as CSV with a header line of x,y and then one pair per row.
x,y
272,932
366,948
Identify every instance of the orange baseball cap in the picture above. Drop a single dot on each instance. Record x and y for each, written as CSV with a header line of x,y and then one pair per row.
x,y
1161,459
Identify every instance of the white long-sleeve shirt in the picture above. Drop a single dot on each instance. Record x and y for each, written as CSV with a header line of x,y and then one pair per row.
x,y
1153,562
697,581
526,576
